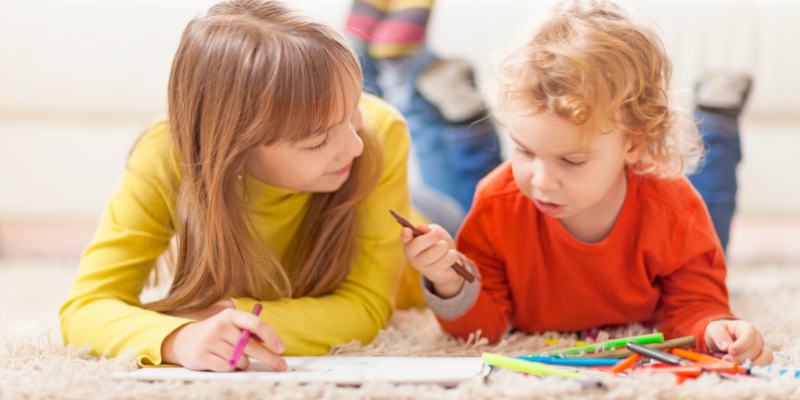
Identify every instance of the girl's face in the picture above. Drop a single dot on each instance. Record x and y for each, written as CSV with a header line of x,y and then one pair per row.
x,y
320,164
554,167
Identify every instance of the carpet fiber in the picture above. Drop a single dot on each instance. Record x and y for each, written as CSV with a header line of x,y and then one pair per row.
x,y
35,364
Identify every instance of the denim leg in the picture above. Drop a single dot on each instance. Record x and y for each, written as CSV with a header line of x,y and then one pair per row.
x,y
368,68
452,157
721,215
715,178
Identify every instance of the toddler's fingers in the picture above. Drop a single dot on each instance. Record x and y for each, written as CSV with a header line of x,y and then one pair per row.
x,y
425,228
443,234
750,353
440,270
746,338
765,358
406,235
420,244
259,352
719,335
433,254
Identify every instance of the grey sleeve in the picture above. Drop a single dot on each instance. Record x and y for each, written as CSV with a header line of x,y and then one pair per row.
x,y
457,305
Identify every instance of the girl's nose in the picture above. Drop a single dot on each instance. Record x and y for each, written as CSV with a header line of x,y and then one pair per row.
x,y
354,146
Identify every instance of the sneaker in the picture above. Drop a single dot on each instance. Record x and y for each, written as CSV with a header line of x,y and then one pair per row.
x,y
450,86
723,93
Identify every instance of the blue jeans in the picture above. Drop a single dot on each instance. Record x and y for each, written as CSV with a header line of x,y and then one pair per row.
x,y
715,178
452,157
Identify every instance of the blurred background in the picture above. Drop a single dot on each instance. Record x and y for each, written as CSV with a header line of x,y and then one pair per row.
x,y
79,80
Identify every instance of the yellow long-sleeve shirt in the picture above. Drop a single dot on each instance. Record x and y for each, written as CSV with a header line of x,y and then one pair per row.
x,y
103,306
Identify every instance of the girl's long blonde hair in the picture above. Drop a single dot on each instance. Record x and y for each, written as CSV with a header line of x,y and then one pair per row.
x,y
252,73
590,62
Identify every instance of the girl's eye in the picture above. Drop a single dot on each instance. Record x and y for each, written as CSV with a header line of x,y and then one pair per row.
x,y
573,163
321,145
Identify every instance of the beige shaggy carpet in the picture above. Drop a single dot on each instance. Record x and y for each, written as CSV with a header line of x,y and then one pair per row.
x,y
35,364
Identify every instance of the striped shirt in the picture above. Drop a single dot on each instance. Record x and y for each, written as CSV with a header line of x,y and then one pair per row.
x,y
392,28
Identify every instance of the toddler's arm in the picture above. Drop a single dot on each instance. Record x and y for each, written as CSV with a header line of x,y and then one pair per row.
x,y
482,305
695,298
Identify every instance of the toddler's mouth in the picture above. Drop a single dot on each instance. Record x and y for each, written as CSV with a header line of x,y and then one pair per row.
x,y
548,208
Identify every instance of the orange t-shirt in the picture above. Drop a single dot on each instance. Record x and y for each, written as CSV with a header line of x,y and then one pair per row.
x,y
661,263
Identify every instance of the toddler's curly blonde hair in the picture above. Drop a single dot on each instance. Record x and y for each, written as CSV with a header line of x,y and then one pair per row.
x,y
595,64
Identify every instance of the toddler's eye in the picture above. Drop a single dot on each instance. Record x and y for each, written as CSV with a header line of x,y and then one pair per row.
x,y
573,163
523,151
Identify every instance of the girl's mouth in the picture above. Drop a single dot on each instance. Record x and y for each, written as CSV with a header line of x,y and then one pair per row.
x,y
548,208
341,171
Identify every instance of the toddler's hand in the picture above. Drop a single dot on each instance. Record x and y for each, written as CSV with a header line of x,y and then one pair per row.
x,y
207,345
740,339
432,254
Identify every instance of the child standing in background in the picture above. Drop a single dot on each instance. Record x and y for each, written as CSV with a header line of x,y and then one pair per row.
x,y
273,173
591,223
454,144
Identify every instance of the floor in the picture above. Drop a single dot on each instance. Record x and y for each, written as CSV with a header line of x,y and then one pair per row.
x,y
35,364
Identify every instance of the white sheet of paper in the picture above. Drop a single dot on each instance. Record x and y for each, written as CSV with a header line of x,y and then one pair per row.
x,y
342,370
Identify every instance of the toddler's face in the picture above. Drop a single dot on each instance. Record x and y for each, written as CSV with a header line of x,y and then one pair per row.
x,y
320,164
554,166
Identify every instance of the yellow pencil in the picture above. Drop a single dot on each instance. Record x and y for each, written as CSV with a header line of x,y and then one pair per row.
x,y
528,367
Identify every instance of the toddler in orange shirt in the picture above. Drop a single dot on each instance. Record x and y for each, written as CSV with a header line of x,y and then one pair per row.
x,y
591,223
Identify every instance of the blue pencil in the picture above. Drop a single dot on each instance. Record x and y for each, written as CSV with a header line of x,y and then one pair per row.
x,y
795,372
574,362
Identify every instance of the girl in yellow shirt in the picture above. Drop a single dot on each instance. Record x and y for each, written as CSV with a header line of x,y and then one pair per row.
x,y
275,176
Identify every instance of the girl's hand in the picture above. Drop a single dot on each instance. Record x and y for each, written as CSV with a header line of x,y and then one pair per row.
x,y
432,254
740,339
206,313
207,345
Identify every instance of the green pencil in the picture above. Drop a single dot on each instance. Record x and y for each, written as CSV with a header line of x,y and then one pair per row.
x,y
602,346
528,367
669,344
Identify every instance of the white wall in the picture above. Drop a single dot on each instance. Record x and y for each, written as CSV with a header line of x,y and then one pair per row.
x,y
78,80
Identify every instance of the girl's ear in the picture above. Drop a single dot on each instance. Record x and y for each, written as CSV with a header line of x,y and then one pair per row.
x,y
634,148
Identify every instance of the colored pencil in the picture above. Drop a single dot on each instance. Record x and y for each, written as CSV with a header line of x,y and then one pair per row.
x,y
624,364
657,354
527,367
690,355
237,352
668,344
574,362
458,267
768,371
600,346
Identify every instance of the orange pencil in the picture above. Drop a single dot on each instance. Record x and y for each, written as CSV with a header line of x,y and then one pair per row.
x,y
690,355
697,357
625,364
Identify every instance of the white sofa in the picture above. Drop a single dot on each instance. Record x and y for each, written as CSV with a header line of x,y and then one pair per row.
x,y
79,79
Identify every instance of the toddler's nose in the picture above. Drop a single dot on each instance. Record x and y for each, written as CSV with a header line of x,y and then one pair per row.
x,y
544,180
